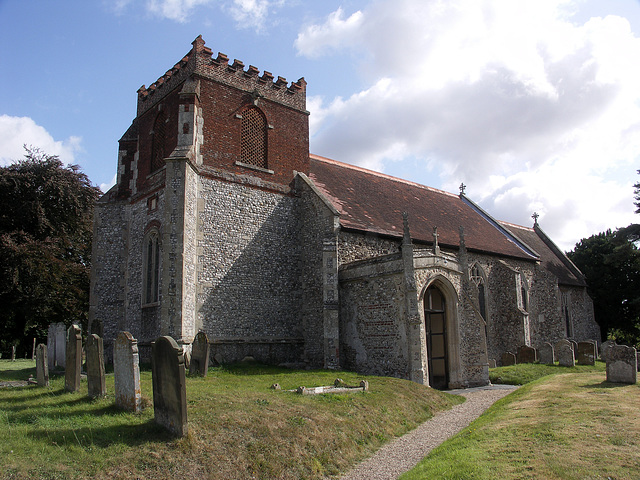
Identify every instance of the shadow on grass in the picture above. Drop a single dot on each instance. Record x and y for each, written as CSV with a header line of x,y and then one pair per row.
x,y
605,384
103,437
18,374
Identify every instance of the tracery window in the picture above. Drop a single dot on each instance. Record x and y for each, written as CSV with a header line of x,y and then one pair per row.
x,y
151,271
253,150
158,142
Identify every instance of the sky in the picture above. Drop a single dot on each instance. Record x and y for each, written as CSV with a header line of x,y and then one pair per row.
x,y
533,105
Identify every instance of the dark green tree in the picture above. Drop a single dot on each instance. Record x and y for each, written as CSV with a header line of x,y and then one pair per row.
x,y
46,214
610,262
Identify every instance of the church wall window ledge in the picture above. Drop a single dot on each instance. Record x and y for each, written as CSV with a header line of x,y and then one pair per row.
x,y
254,167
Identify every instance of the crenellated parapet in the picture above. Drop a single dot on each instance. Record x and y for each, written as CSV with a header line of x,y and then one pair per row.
x,y
201,62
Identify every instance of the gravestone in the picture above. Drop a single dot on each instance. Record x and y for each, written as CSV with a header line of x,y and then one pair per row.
x,y
73,359
508,358
13,353
575,348
622,364
126,371
638,361
95,367
492,363
61,345
199,355
545,354
604,349
169,382
42,366
51,346
526,354
586,353
564,351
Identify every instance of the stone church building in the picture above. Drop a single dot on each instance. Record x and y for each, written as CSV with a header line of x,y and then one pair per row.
x,y
222,221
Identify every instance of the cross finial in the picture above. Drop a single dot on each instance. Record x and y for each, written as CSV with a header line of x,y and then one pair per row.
x,y
436,247
535,217
462,187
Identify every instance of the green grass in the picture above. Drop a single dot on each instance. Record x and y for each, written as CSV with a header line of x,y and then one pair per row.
x,y
566,426
528,372
238,427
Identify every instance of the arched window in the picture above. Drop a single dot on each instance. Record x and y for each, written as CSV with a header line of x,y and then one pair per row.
x,y
253,150
151,270
524,293
158,143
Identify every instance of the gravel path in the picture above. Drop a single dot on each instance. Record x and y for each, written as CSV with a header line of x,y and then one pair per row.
x,y
405,452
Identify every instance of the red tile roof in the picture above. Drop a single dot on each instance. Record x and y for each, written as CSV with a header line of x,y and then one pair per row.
x,y
373,202
551,257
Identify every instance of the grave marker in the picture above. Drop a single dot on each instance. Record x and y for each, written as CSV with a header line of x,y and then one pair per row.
x,y
95,366
126,370
73,359
508,358
200,355
526,354
564,351
545,354
42,366
622,364
586,353
169,382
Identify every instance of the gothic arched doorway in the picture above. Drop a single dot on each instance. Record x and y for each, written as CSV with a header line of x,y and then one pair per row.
x,y
435,313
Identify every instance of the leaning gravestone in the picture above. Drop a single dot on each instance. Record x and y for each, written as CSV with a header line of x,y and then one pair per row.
x,y
73,359
586,353
622,364
200,355
95,367
42,366
526,354
564,351
169,382
126,372
508,358
545,354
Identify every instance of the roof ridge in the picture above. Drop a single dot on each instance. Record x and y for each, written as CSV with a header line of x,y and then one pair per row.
x,y
379,174
516,225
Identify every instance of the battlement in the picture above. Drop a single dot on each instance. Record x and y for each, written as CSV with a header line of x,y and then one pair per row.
x,y
200,61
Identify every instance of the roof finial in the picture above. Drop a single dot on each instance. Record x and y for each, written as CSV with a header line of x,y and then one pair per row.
x,y
405,228
462,187
535,217
436,247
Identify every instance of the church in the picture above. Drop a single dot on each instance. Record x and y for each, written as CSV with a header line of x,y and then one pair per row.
x,y
222,221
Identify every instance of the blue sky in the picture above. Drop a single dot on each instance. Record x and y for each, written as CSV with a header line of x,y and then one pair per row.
x,y
534,105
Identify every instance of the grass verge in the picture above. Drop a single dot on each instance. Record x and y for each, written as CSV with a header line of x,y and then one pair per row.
x,y
524,373
238,427
563,426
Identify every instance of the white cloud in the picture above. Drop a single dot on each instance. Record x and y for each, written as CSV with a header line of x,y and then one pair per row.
x,y
526,106
252,13
15,132
106,186
177,10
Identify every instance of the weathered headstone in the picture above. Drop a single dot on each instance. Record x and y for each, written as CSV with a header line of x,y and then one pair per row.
x,y
526,354
51,346
61,345
564,351
169,385
604,348
73,359
508,358
126,370
95,366
42,366
492,363
13,353
575,349
586,353
638,361
622,364
545,354
200,355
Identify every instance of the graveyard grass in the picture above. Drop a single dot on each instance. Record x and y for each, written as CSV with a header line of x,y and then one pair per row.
x,y
563,426
238,427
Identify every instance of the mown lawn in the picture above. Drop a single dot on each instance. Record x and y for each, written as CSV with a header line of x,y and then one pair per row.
x,y
563,426
238,427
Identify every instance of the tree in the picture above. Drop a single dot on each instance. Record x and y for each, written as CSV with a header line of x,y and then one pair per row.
x,y
610,262
46,214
